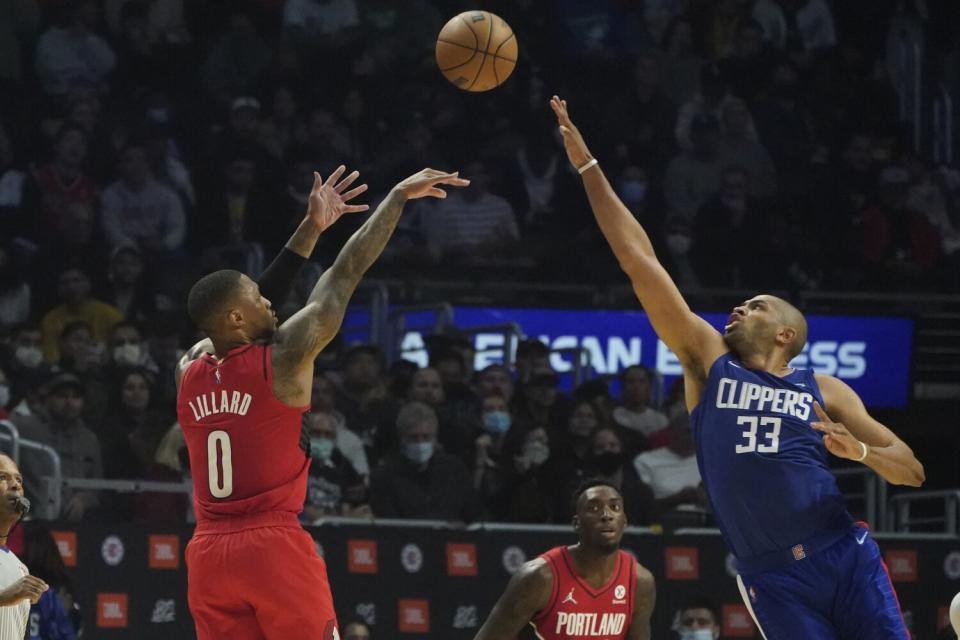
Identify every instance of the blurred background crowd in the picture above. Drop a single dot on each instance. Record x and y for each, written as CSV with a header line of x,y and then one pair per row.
x,y
144,142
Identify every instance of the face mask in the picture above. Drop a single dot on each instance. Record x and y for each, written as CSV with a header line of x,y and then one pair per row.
x,y
679,244
127,354
536,452
633,191
607,462
496,422
321,448
30,357
418,452
4,395
696,634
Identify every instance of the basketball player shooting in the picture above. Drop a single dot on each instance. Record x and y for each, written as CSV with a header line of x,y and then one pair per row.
x,y
252,571
590,589
763,430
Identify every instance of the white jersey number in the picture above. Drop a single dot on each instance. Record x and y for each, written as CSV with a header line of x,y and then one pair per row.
x,y
220,487
773,435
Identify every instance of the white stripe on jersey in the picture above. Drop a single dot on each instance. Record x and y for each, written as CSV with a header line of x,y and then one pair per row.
x,y
746,601
13,619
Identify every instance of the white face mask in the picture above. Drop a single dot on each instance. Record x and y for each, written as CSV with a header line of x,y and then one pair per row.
x,y
696,634
127,354
536,452
30,357
4,395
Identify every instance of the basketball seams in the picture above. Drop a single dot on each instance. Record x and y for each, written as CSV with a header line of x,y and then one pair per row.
x,y
452,46
485,48
496,53
457,66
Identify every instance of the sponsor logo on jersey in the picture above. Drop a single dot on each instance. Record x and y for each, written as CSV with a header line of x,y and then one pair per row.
x,y
112,550
737,622
411,557
362,556
67,546
683,563
569,598
902,565
620,594
164,552
413,616
798,552
461,559
513,559
749,396
224,401
164,611
112,610
579,625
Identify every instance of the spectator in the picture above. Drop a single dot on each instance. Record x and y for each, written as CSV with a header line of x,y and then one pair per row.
x,y
170,464
129,287
472,224
133,428
334,488
68,435
76,305
15,293
418,481
362,368
570,454
532,354
698,619
72,55
236,61
330,24
645,426
26,367
609,460
671,471
139,211
18,22
815,24
530,478
680,65
488,447
694,175
540,404
5,393
495,379
747,70
322,400
164,158
739,146
771,18
458,424
284,128
127,348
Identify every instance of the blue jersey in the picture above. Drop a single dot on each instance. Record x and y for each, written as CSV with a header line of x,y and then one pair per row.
x,y
763,466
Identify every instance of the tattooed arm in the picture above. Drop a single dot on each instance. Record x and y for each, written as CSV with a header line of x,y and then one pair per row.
x,y
307,332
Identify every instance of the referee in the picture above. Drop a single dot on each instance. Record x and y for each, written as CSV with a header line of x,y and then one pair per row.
x,y
18,589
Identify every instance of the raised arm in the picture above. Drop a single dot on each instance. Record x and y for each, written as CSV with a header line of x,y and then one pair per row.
x,y
527,593
303,336
694,341
852,433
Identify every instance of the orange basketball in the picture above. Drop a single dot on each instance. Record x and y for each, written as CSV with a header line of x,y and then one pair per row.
x,y
476,51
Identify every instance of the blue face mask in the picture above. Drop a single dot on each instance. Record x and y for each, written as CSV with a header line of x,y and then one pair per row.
x,y
696,634
496,422
418,452
321,448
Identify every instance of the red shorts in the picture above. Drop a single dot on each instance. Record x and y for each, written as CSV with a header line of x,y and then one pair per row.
x,y
259,583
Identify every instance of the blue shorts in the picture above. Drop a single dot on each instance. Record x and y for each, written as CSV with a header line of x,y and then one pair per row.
x,y
842,592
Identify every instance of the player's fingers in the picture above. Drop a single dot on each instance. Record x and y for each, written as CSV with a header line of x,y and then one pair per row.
x,y
346,182
456,182
355,208
332,179
820,412
317,181
437,193
353,193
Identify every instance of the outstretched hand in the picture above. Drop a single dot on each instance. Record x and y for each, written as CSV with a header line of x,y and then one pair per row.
x,y
328,199
837,439
424,183
577,151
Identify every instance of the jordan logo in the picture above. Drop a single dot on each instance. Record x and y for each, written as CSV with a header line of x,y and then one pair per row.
x,y
569,598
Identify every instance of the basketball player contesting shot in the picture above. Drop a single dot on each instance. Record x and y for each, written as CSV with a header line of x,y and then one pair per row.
x,y
18,589
252,571
588,589
762,431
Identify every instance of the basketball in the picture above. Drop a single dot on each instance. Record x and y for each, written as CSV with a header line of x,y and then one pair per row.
x,y
476,51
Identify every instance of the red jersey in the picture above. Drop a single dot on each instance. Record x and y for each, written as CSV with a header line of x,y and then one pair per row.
x,y
576,610
244,444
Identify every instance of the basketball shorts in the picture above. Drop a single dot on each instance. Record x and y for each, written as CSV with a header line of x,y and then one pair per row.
x,y
260,583
840,593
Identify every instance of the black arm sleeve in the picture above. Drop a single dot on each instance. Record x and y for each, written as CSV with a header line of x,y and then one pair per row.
x,y
277,280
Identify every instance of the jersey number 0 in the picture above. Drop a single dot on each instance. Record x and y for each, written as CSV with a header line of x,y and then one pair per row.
x,y
220,486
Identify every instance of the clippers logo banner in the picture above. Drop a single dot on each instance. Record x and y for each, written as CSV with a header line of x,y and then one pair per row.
x,y
737,622
413,616
461,559
112,610
362,556
682,563
902,565
164,552
67,546
871,354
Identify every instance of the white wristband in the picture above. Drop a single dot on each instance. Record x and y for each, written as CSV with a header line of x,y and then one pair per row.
x,y
866,450
590,163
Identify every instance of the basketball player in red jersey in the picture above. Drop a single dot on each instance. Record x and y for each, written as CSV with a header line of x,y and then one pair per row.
x,y
253,572
590,589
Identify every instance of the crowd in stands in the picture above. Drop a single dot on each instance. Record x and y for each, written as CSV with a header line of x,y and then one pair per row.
x,y
145,142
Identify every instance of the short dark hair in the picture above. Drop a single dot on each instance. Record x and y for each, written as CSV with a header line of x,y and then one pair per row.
x,y
636,367
589,483
210,294
74,326
532,347
700,601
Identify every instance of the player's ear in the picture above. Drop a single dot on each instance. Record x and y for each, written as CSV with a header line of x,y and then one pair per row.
x,y
235,318
786,335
